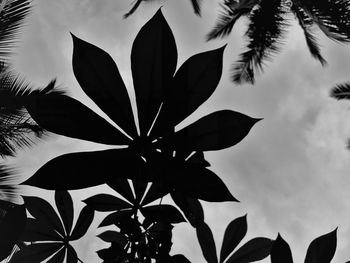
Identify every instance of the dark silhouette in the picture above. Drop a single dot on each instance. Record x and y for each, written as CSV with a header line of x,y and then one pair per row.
x,y
268,22
320,250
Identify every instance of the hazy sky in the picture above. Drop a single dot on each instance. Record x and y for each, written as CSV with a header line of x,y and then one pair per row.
x,y
291,173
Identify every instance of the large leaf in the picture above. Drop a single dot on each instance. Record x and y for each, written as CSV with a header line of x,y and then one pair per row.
x,y
64,204
192,85
11,228
191,207
234,234
280,251
322,249
215,131
254,250
153,63
35,253
207,243
85,169
66,116
163,213
105,202
100,79
43,211
84,221
37,230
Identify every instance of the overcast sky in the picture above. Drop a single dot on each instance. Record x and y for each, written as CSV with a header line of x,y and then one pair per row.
x,y
291,173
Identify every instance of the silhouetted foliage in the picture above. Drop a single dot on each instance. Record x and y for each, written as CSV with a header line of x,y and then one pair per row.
x,y
320,250
268,21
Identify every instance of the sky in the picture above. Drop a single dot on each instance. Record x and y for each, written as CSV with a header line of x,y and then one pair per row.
x,y
291,173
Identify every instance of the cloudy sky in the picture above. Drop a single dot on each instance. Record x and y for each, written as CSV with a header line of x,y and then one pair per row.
x,y
291,173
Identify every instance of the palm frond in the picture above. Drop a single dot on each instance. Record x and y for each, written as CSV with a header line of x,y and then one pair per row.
x,y
265,31
331,16
341,91
8,188
196,4
12,15
306,24
231,12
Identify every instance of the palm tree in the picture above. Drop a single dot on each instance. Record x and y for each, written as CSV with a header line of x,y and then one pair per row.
x,y
136,4
268,21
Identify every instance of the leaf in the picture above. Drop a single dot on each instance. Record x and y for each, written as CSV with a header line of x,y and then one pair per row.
x,y
99,77
280,251
163,213
191,207
72,256
122,186
85,169
140,187
37,230
254,250
66,116
153,63
113,236
35,253
84,221
193,84
64,204
11,228
113,218
322,249
234,234
215,131
341,91
198,158
156,191
43,211
105,202
58,257
207,243
196,6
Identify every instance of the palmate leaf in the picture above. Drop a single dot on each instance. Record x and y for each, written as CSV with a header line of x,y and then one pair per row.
x,y
84,221
341,91
100,79
153,63
207,243
322,249
64,204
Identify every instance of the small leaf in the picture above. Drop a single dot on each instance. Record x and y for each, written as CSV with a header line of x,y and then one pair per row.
x,y
99,77
234,234
43,211
280,251
254,250
114,253
11,228
193,84
113,236
191,207
105,202
66,116
115,217
35,252
153,63
322,249
163,213
64,204
207,243
216,131
83,223
85,169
